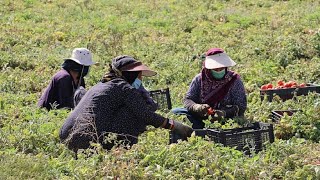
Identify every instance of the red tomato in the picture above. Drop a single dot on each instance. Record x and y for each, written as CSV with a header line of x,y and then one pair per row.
x,y
293,83
269,86
287,85
264,87
280,83
210,111
302,85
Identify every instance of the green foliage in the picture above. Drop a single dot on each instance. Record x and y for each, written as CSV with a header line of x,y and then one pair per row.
x,y
301,124
269,40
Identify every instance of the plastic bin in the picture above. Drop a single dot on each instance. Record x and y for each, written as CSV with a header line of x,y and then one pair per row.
x,y
162,98
289,93
244,139
276,115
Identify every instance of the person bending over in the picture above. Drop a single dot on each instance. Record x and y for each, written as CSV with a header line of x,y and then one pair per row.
x,y
116,106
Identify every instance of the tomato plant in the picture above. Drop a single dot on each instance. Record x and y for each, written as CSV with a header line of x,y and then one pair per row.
x,y
272,42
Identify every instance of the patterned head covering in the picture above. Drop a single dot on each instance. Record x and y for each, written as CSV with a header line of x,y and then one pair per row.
x,y
126,67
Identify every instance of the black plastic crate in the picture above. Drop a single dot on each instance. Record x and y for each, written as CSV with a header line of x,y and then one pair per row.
x,y
256,136
162,98
276,115
289,93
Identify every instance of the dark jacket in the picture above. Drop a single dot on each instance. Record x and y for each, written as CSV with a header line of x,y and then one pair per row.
x,y
114,106
60,91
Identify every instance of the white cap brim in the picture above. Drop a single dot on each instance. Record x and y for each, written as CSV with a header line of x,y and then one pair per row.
x,y
218,61
88,63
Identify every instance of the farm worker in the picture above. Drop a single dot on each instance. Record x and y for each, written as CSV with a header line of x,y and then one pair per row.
x,y
116,106
68,82
215,87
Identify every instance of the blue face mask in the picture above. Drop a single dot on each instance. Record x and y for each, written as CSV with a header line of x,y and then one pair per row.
x,y
136,83
218,74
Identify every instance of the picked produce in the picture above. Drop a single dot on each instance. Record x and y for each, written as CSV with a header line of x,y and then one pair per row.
x,y
283,85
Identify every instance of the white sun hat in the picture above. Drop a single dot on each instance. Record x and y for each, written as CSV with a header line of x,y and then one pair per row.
x,y
218,60
81,56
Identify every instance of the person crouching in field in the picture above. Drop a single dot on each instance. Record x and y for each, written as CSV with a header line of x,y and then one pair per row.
x,y
116,107
215,87
68,82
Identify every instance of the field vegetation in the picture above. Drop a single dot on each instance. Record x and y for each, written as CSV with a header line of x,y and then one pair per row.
x,y
270,40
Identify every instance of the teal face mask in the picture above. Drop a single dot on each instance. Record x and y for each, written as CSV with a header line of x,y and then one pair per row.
x,y
218,74
136,83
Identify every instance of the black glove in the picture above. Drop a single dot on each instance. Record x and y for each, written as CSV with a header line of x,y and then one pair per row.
x,y
218,115
183,130
177,127
230,110
201,109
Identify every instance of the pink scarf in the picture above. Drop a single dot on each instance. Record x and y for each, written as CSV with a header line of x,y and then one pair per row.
x,y
212,90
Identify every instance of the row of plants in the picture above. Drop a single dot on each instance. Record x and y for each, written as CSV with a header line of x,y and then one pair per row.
x,y
269,40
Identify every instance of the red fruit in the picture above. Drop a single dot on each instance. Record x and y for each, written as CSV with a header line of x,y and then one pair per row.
x,y
302,85
269,86
264,87
293,83
280,83
287,85
210,111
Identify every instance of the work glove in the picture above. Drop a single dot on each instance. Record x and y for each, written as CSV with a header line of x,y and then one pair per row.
x,y
201,109
183,130
218,115
230,110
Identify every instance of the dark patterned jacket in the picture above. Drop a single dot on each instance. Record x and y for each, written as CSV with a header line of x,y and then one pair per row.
x,y
114,106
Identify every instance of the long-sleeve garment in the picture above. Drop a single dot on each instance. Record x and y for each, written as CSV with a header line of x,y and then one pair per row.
x,y
146,95
114,106
235,95
60,91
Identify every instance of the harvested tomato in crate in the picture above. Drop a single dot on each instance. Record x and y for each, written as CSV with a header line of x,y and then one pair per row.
x,y
255,136
288,90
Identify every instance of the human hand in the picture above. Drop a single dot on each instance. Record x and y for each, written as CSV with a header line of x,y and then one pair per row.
x,y
201,109
230,110
218,115
183,130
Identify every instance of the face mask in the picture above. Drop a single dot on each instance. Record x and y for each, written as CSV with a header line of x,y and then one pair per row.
x,y
218,74
136,83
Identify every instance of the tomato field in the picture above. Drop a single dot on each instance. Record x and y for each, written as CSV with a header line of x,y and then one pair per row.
x,y
276,45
